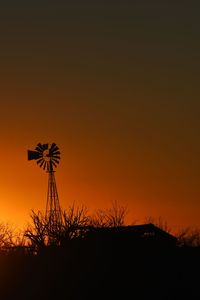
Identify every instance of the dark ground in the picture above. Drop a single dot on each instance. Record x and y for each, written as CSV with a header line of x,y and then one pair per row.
x,y
101,271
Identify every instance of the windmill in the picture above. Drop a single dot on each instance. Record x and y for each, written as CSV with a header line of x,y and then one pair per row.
x,y
47,156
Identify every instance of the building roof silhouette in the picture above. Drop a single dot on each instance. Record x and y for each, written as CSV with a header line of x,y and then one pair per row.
x,y
136,233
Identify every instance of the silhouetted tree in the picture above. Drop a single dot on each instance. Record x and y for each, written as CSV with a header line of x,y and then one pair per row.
x,y
41,233
36,232
75,222
189,237
7,236
111,217
162,224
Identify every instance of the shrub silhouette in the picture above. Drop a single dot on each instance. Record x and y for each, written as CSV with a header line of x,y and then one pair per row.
x,y
159,222
8,236
36,232
78,269
189,237
111,217
75,222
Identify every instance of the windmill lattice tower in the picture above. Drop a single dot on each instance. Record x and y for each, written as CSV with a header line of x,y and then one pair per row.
x,y
47,156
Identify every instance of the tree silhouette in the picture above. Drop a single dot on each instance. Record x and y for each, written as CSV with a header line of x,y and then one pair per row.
x,y
160,223
75,221
188,237
111,217
36,232
7,236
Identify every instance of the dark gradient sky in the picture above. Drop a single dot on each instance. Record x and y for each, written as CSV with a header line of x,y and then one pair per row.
x,y
116,85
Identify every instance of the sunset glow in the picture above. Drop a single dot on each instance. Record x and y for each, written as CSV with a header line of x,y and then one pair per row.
x,y
116,88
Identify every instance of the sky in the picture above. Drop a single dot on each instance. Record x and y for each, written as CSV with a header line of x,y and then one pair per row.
x,y
116,85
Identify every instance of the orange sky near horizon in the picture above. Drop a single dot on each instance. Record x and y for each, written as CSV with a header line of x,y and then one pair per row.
x,y
94,172
117,88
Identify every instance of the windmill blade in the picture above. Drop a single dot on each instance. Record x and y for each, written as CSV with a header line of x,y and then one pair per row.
x,y
54,164
55,153
42,163
53,148
33,155
51,153
39,161
53,145
55,156
55,160
39,147
45,164
45,146
38,150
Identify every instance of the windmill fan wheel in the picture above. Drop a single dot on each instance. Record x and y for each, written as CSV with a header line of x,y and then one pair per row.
x,y
47,156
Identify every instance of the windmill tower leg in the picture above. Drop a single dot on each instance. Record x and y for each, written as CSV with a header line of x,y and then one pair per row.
x,y
53,209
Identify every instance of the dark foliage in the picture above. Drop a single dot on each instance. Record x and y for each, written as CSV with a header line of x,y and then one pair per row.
x,y
91,260
91,270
